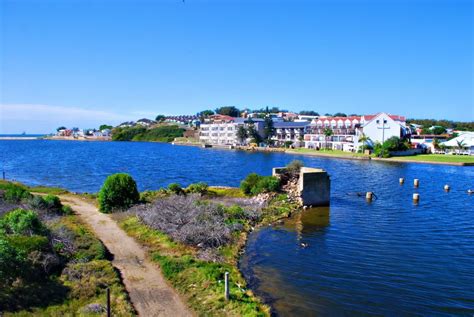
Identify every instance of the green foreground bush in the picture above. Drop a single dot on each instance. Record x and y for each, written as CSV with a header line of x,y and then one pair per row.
x,y
118,192
255,184
14,193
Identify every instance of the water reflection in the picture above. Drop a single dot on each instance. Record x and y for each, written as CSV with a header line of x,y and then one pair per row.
x,y
308,221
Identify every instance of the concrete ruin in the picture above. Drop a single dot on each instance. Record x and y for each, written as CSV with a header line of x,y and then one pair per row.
x,y
313,187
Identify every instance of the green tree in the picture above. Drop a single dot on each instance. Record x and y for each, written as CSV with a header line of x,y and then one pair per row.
x,y
437,130
242,134
253,133
309,113
61,128
340,114
460,144
105,127
205,113
327,133
160,118
269,129
363,139
118,192
228,111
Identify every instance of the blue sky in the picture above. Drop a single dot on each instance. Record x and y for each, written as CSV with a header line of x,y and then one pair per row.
x,y
83,63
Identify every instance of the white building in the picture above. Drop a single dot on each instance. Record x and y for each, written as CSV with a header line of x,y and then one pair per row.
x,y
465,140
382,126
289,132
346,131
343,133
222,130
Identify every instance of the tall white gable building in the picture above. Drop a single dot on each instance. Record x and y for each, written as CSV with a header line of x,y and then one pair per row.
x,y
382,126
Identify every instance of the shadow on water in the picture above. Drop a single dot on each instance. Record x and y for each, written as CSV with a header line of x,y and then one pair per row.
x,y
268,280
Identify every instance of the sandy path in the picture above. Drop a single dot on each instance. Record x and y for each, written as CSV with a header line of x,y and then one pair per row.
x,y
149,292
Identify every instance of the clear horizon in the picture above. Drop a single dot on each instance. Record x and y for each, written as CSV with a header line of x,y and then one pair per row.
x,y
84,63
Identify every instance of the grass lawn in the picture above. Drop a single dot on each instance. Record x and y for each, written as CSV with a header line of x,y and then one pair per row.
x,y
326,152
437,158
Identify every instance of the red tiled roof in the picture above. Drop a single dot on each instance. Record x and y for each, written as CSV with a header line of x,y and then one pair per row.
x,y
369,117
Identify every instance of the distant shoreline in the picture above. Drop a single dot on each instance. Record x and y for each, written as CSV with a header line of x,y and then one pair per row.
x,y
249,149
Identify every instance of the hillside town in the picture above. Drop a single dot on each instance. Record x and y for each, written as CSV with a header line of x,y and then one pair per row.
x,y
283,129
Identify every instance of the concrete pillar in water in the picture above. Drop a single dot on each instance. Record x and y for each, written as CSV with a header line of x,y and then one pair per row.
x,y
401,180
416,197
446,187
314,185
416,182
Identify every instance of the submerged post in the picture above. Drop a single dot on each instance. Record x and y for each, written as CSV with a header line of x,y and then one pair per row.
x,y
416,182
368,196
226,285
108,302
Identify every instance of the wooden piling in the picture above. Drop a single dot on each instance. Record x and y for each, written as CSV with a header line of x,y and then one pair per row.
x,y
108,303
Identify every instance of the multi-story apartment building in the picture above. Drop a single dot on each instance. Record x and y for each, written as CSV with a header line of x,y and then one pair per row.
x,y
343,131
222,130
346,131
289,132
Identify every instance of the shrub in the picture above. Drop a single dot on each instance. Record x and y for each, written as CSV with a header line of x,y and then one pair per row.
x,y
294,167
255,184
37,203
175,188
249,183
198,188
266,184
20,221
53,203
118,192
15,193
11,262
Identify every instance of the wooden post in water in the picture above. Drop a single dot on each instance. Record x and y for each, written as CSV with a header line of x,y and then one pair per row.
x,y
226,286
108,303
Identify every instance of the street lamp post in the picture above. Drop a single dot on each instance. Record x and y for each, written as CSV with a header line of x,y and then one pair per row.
x,y
384,121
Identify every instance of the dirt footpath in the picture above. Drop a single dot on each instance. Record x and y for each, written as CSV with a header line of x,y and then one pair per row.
x,y
149,292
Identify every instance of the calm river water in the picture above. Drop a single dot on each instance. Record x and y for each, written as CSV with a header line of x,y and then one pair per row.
x,y
389,257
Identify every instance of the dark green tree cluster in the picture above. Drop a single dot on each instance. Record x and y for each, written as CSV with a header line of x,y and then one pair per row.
x,y
228,111
391,145
309,113
164,133
447,124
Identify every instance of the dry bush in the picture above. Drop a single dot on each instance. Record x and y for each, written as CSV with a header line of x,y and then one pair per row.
x,y
189,220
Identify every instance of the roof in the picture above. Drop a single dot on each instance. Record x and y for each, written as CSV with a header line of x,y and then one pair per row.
x,y
467,140
246,120
287,125
370,117
221,117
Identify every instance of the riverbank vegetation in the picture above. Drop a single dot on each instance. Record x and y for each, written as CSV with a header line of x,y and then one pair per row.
x,y
160,133
195,234
50,262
